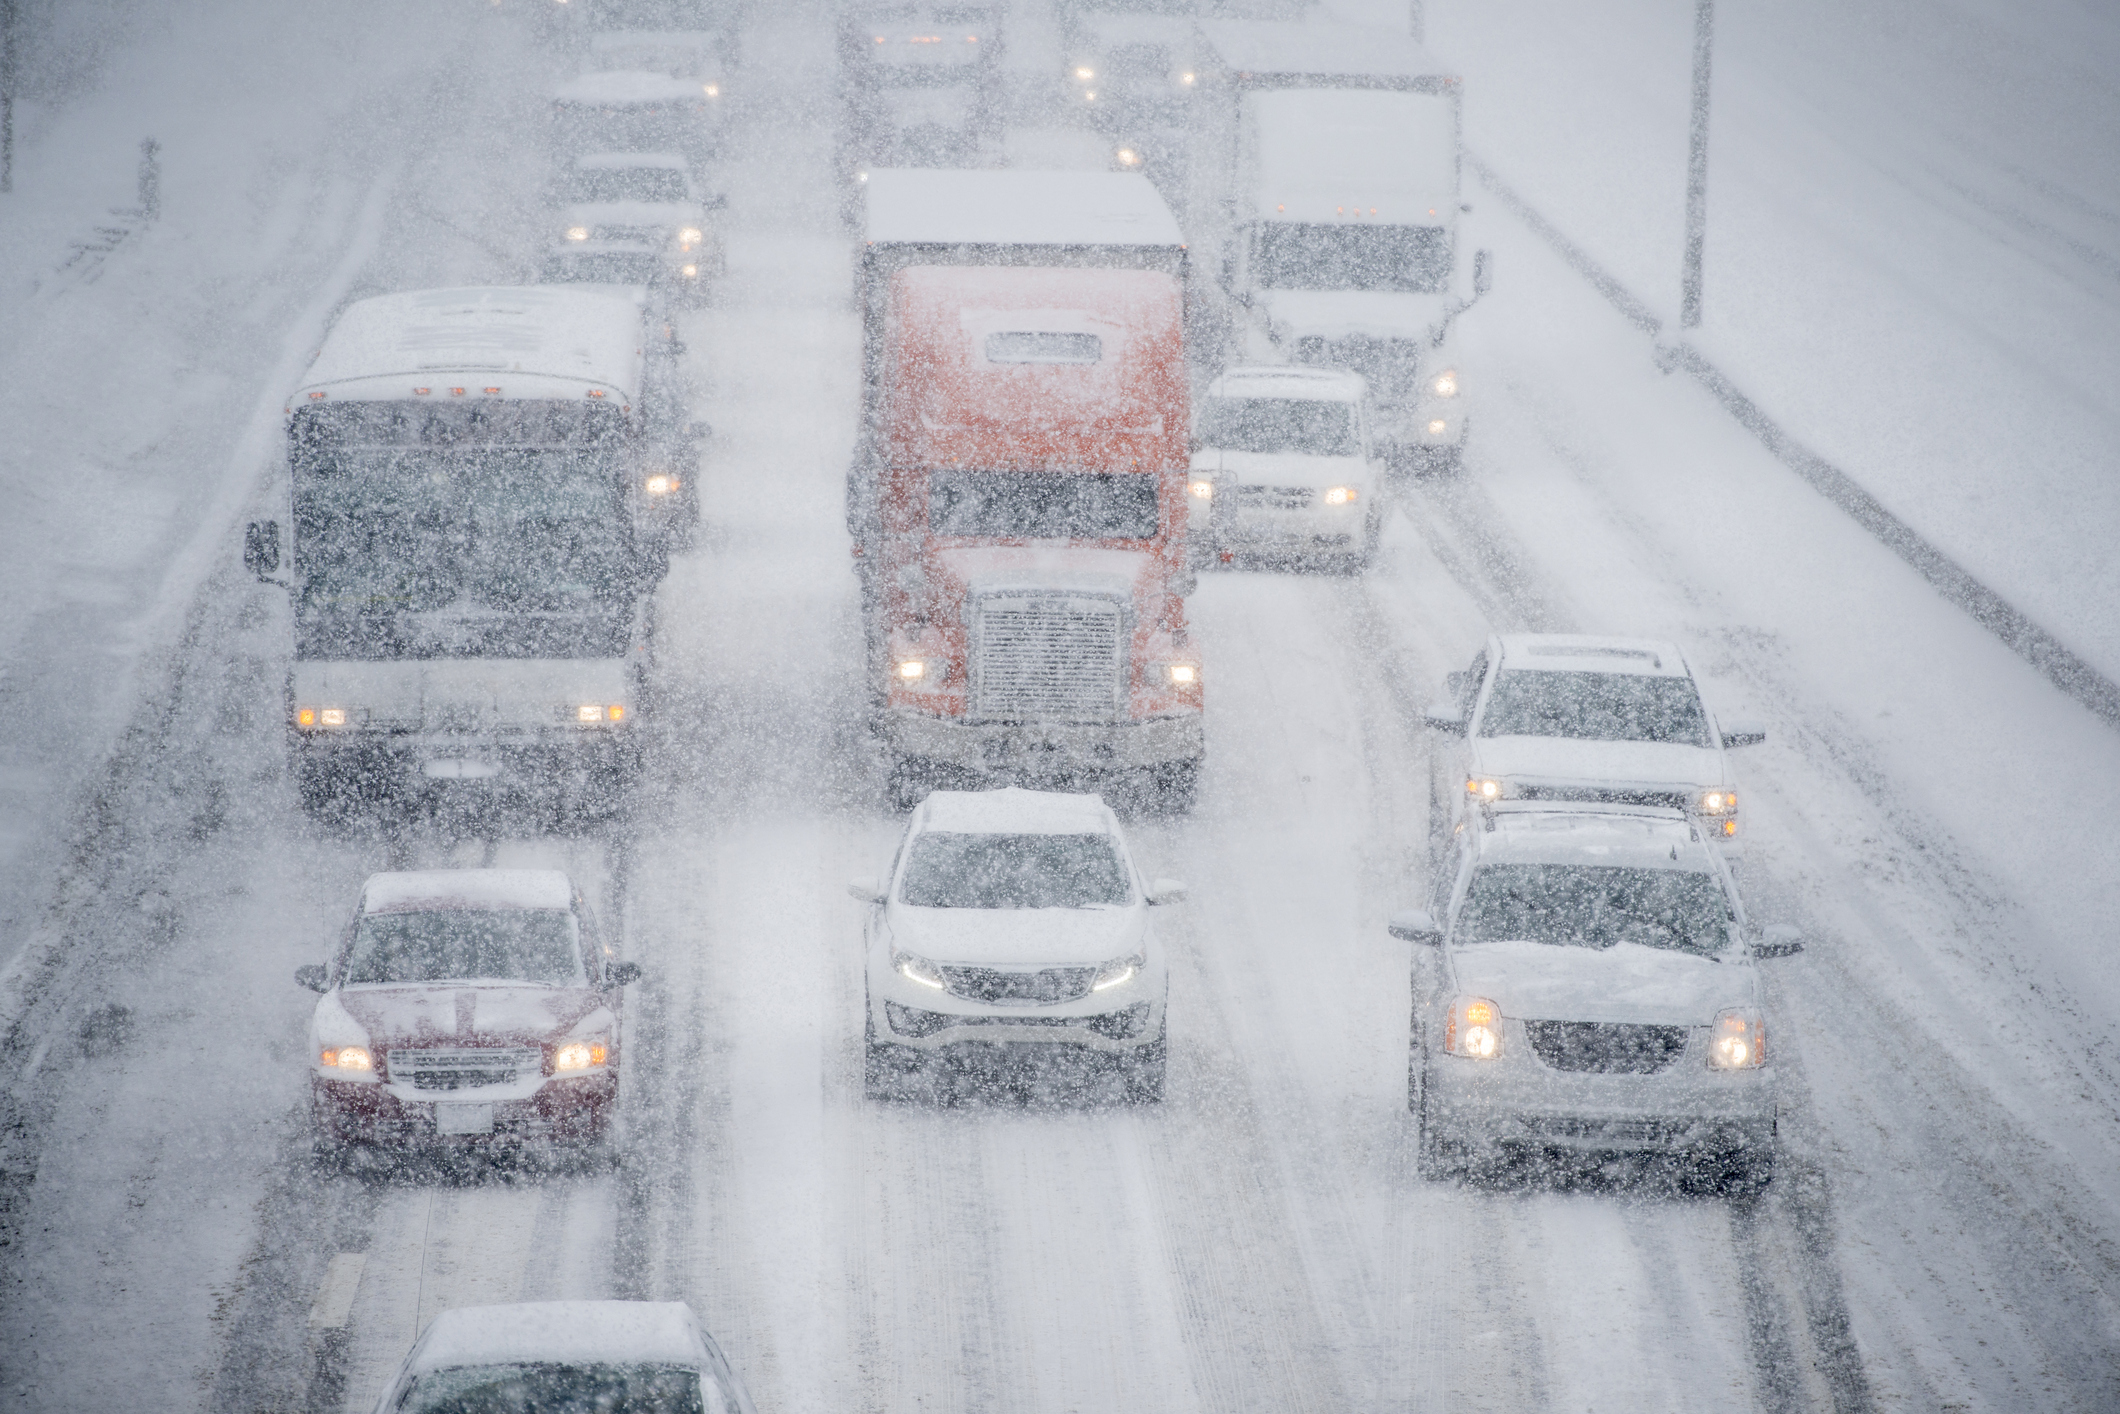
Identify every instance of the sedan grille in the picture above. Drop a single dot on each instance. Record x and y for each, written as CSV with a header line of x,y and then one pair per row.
x,y
1061,658
1605,1047
1048,987
464,1069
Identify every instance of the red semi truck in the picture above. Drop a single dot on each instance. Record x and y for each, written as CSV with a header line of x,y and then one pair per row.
x,y
1017,499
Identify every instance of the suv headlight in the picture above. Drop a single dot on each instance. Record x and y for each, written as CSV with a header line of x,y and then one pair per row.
x,y
1473,1028
575,1056
1738,1040
917,969
1483,789
351,1061
1117,971
1718,800
1342,495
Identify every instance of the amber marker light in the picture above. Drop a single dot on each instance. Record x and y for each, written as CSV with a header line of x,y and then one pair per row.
x,y
305,717
1483,788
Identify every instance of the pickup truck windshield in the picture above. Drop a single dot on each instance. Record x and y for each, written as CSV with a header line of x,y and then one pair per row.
x,y
466,945
1595,707
1307,425
1594,906
1043,505
558,1389
951,870
1304,255
593,185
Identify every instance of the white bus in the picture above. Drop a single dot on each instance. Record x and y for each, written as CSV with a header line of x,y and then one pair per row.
x,y
472,561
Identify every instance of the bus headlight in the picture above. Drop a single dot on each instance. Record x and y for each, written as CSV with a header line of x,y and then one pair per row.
x,y
311,718
590,714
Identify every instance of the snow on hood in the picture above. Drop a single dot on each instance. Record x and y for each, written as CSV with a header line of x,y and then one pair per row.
x,y
467,888
1335,314
1633,763
563,1332
1016,811
1019,937
988,567
467,1013
1283,468
1625,983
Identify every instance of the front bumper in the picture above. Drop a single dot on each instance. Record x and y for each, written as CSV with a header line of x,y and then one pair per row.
x,y
935,1021
574,1108
1252,517
1035,749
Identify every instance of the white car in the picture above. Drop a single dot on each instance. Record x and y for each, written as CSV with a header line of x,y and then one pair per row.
x,y
1574,718
1592,989
1282,467
646,1357
635,218
1014,924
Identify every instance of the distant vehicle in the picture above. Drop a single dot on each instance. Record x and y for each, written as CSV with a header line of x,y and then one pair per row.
x,y
1132,78
1281,467
1014,921
475,539
637,110
1017,499
635,218
699,55
1577,718
560,1357
1592,991
467,1007
1325,199
919,86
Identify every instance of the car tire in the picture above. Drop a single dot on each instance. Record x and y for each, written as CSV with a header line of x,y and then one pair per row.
x,y
1143,1070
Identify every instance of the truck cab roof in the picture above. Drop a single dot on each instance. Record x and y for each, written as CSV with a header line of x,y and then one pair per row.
x,y
924,207
1287,54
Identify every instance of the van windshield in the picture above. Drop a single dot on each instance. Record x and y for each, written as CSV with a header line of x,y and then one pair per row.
x,y
1043,505
1595,906
590,185
1308,425
946,869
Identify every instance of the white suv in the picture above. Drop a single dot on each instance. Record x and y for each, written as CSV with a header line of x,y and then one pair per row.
x,y
1282,467
1573,718
1013,927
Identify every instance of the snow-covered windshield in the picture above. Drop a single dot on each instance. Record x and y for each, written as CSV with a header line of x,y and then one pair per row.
x,y
1303,255
950,870
602,184
461,945
1311,425
1595,707
1043,505
557,1389
1594,906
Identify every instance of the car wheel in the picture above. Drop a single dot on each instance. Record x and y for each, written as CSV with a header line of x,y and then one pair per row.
x,y
1144,1070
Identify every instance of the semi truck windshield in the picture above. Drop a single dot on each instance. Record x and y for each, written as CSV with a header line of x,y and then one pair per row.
x,y
1306,255
1043,505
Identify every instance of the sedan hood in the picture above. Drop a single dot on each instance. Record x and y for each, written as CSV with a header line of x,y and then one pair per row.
x,y
1019,937
468,1014
1626,983
1644,763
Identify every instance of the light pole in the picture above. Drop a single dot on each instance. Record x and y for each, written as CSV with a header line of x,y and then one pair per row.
x,y
7,95
1697,166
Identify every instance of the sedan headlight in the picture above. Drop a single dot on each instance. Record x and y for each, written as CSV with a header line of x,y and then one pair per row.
x,y
579,1055
917,969
577,233
1473,1028
1117,971
1446,384
1483,788
1738,1041
347,1058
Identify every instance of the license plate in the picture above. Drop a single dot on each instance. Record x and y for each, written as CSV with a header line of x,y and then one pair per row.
x,y
463,1119
457,769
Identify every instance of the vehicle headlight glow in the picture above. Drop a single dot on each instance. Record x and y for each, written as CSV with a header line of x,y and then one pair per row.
x,y
917,969
1446,383
1118,971
689,235
1473,1028
661,485
1202,488
1438,427
313,717
579,1055
1182,674
1718,800
713,90
1085,73
689,271
1737,1041
346,1058
911,669
1483,788
591,712
577,233
1128,157
1341,495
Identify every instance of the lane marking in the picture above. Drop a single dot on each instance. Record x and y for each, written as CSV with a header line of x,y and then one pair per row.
x,y
334,1303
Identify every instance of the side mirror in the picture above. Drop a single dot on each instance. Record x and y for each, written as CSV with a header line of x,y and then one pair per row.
x,y
315,977
1415,925
1743,733
1164,891
1482,272
1454,684
1444,717
622,974
867,890
261,547
1777,940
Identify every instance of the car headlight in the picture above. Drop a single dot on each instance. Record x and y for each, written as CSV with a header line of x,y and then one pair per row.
x,y
1737,1041
592,713
1341,495
690,272
1483,788
1718,800
689,236
917,969
662,485
1117,971
1445,384
579,1055
1201,488
310,718
346,1058
1473,1028
577,233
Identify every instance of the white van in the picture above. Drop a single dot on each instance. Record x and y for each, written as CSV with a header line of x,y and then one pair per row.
x,y
1282,467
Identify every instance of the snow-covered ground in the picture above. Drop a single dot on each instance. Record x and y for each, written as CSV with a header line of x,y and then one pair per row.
x,y
1944,1234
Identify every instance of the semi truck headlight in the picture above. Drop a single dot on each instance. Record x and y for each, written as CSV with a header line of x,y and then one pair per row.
x,y
577,233
1341,495
917,969
1202,488
1118,971
1483,788
1182,674
911,669
346,1058
1737,1041
579,1055
1446,383
1473,1028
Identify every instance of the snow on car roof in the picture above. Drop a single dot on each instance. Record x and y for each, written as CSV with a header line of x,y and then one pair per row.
x,y
593,337
1015,811
609,161
909,206
1587,653
1311,49
466,888
1643,838
629,86
563,1332
1281,380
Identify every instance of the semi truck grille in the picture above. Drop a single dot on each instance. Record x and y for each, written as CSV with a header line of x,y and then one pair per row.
x,y
1605,1047
1043,988
464,1069
1053,658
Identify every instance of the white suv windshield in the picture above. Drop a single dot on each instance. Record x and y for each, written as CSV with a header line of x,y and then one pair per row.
x,y
464,945
1595,707
1594,906
950,870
